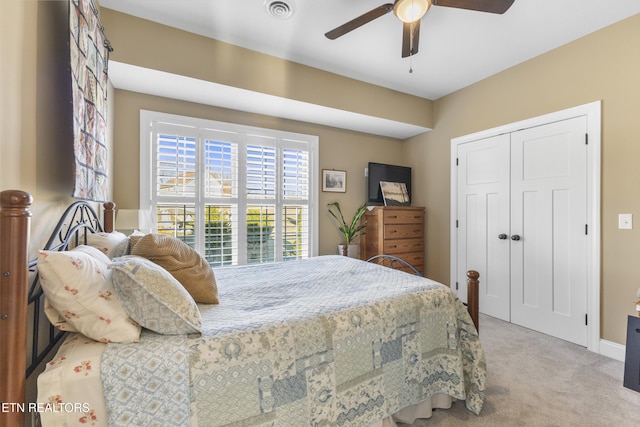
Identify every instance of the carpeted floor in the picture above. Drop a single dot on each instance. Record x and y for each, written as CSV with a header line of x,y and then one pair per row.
x,y
537,380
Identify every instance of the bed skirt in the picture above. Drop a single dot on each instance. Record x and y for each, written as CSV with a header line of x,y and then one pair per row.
x,y
411,413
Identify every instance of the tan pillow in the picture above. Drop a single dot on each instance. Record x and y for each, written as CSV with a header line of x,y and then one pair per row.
x,y
182,261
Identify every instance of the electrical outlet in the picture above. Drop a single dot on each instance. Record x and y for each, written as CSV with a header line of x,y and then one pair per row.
x,y
625,221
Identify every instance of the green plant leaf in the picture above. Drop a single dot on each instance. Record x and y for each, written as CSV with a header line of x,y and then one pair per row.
x,y
352,229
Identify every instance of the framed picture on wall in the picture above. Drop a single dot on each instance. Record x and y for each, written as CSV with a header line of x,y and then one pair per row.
x,y
333,180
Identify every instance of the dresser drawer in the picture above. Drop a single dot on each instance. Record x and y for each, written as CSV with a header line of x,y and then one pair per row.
x,y
398,246
403,231
404,216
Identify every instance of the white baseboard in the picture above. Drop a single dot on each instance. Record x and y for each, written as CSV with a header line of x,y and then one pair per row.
x,y
613,350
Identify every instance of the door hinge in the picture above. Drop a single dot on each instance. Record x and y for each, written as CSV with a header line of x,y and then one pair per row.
x,y
586,320
586,229
456,223
586,139
456,161
457,287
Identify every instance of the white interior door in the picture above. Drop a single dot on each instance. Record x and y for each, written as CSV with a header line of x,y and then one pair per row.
x,y
553,195
521,218
483,221
548,223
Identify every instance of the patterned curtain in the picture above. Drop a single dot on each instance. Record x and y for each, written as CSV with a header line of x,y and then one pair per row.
x,y
89,50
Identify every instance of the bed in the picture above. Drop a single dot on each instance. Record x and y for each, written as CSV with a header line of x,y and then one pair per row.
x,y
323,341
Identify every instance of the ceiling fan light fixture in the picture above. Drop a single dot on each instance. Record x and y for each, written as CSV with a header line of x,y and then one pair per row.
x,y
411,10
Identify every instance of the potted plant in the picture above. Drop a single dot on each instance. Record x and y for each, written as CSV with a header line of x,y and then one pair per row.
x,y
350,230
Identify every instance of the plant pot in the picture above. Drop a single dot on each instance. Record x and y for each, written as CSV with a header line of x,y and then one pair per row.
x,y
353,251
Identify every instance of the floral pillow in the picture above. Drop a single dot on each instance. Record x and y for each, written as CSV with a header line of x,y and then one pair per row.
x,y
153,297
80,295
111,244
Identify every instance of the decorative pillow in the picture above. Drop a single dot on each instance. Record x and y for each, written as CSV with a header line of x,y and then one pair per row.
x,y
122,249
182,261
153,297
108,243
78,286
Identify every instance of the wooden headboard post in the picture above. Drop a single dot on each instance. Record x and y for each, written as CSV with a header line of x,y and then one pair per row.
x,y
15,218
108,221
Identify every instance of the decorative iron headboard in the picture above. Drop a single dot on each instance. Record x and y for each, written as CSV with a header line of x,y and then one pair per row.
x,y
21,296
78,220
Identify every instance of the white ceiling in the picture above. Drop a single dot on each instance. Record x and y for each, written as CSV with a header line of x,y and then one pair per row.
x,y
457,47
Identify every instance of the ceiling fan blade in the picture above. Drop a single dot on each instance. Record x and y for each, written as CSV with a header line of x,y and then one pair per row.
x,y
491,6
410,38
359,21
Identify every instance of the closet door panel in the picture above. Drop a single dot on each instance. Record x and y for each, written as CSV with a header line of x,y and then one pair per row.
x,y
483,215
548,216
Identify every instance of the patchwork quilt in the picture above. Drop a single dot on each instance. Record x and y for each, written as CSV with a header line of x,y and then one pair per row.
x,y
326,341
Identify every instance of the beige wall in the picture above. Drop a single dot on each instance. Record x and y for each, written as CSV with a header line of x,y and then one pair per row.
x,y
35,145
602,66
36,141
17,93
147,44
338,149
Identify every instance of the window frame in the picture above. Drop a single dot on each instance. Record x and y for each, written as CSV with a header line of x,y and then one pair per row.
x,y
242,135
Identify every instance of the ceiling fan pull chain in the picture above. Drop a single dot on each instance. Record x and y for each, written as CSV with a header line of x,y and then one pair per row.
x,y
410,63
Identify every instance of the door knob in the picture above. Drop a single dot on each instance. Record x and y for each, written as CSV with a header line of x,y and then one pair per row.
x,y
502,236
515,237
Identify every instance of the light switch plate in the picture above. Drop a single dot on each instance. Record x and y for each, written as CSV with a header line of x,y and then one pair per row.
x,y
625,221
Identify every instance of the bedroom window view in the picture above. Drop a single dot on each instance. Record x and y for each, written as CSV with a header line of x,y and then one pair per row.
x,y
236,198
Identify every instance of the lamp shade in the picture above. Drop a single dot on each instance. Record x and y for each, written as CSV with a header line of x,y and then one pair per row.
x,y
134,219
411,10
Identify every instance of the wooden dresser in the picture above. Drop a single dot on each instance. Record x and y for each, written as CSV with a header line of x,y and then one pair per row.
x,y
397,231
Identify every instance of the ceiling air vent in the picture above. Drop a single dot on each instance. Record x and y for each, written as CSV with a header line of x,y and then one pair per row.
x,y
279,9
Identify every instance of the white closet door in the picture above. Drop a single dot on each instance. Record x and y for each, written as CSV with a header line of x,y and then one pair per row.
x,y
548,220
483,221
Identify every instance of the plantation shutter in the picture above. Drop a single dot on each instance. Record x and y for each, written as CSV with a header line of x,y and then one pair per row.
x,y
238,195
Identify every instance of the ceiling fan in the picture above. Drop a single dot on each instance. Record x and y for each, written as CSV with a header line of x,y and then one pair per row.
x,y
410,12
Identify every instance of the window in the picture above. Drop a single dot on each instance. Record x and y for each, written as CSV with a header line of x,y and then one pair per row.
x,y
237,194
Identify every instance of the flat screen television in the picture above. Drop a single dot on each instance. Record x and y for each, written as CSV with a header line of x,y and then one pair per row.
x,y
384,172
